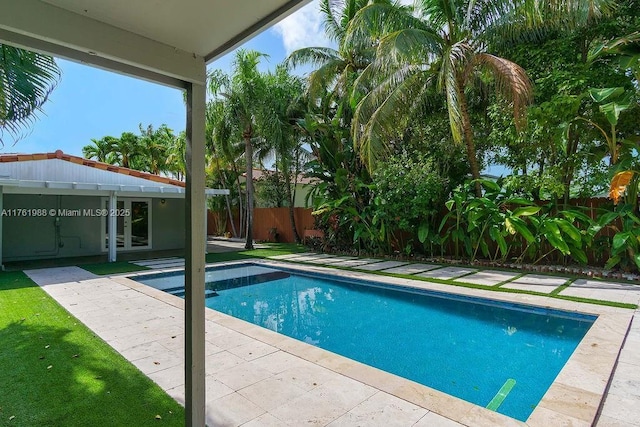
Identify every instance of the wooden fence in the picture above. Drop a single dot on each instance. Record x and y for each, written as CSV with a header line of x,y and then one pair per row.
x,y
266,219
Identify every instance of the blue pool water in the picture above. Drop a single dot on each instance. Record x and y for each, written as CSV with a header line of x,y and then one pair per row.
x,y
466,347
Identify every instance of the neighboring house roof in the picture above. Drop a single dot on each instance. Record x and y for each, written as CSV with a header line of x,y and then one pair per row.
x,y
258,174
60,171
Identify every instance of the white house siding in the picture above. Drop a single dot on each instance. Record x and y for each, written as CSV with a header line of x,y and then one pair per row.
x,y
35,237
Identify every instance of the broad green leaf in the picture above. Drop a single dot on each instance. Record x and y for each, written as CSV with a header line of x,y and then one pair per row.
x,y
490,185
526,211
607,218
612,262
620,239
499,239
423,232
602,95
449,204
484,248
612,110
521,228
554,237
636,259
519,201
570,230
578,254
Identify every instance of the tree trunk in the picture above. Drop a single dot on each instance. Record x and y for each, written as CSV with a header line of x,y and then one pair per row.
x,y
226,198
240,207
292,217
468,140
248,151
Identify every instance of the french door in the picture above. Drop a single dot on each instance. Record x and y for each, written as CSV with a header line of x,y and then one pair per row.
x,y
133,224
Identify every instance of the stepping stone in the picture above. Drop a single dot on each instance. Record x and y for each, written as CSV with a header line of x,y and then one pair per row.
x,y
290,256
488,277
412,268
161,266
447,273
147,262
321,260
310,258
338,259
381,265
603,290
536,283
356,262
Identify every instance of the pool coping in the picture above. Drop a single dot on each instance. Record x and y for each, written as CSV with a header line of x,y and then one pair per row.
x,y
574,398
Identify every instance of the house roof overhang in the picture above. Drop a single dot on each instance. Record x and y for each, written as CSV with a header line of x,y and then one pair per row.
x,y
165,42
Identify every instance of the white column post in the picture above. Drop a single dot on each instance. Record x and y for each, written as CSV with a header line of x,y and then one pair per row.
x,y
112,226
194,257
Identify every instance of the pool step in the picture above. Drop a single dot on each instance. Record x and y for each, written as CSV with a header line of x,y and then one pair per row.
x,y
179,292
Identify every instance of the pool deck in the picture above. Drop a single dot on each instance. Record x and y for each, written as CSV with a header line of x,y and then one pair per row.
x,y
256,377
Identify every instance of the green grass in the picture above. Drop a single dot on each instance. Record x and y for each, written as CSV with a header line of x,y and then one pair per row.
x,y
106,268
55,372
273,249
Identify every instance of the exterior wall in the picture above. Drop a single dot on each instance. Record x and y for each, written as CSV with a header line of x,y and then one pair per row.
x,y
168,224
34,237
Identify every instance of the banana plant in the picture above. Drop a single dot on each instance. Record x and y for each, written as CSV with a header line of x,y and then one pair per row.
x,y
625,245
495,217
568,231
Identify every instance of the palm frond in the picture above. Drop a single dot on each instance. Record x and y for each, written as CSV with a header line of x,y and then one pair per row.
x,y
511,81
381,113
26,81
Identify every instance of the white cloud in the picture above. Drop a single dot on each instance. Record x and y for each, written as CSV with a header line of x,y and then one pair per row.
x,y
303,28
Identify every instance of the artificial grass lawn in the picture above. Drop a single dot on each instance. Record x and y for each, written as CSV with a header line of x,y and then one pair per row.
x,y
55,372
273,249
106,268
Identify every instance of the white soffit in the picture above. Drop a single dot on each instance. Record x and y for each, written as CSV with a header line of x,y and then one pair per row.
x,y
168,38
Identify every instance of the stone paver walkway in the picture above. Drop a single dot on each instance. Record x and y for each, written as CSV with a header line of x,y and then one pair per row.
x,y
447,273
488,277
536,283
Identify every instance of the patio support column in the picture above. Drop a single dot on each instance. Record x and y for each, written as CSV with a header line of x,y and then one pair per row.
x,y
1,208
194,256
112,225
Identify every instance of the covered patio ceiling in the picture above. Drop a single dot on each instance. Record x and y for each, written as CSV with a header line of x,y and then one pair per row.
x,y
167,42
160,40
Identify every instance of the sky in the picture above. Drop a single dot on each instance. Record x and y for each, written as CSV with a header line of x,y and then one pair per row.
x,y
90,103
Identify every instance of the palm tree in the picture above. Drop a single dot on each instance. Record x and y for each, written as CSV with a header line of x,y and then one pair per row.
x,y
336,69
100,149
26,81
126,150
175,161
242,93
155,145
444,45
283,108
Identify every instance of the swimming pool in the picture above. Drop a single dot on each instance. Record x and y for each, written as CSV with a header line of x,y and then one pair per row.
x,y
498,355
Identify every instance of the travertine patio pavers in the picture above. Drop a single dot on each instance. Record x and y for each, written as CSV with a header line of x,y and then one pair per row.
x,y
380,265
536,283
604,290
488,277
447,273
412,268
